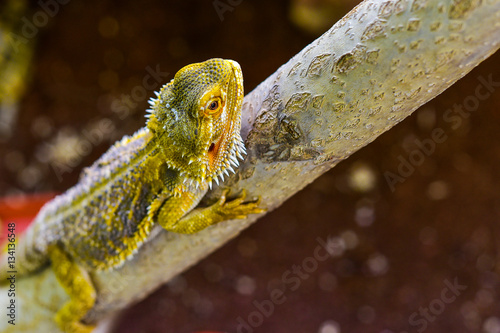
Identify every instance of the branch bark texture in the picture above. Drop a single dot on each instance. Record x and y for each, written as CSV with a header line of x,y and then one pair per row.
x,y
367,73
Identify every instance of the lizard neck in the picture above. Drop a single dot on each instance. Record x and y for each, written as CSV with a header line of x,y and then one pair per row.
x,y
165,165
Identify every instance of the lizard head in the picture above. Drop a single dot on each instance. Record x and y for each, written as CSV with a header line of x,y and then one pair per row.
x,y
197,117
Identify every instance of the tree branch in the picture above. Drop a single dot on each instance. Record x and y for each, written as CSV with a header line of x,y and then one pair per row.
x,y
367,73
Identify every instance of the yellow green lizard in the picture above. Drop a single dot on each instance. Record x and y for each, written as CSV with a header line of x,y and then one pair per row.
x,y
155,177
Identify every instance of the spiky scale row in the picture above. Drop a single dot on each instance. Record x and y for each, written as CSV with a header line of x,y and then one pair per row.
x,y
237,151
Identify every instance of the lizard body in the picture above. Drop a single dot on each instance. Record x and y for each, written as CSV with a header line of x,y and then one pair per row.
x,y
155,177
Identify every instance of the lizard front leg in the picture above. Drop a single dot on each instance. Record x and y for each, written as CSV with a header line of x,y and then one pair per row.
x,y
200,218
78,285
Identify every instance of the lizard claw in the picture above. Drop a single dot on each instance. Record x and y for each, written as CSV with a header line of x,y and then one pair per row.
x,y
237,208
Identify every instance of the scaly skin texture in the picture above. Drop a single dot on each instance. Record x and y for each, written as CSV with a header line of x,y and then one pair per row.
x,y
157,176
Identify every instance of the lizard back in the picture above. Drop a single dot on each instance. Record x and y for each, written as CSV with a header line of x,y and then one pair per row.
x,y
103,219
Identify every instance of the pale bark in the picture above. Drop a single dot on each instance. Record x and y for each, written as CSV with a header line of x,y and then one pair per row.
x,y
367,73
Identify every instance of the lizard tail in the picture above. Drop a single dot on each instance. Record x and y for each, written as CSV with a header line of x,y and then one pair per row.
x,y
22,258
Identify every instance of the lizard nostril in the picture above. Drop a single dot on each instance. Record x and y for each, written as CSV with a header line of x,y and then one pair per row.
x,y
212,146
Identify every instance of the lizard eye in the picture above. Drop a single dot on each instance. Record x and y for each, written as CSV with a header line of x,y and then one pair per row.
x,y
213,106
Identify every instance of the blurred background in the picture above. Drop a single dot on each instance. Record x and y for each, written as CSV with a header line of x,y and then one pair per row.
x,y
421,255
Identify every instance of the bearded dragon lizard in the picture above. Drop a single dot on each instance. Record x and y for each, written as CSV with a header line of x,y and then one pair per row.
x,y
155,177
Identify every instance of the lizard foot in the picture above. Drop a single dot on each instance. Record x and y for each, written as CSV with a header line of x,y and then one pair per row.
x,y
236,208
200,218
